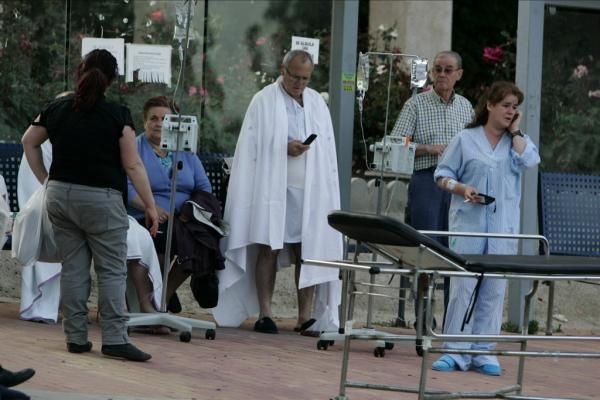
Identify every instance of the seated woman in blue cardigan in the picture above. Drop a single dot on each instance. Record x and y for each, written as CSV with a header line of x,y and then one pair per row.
x,y
191,177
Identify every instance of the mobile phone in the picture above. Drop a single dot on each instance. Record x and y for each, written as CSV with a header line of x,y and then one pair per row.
x,y
485,199
514,118
310,139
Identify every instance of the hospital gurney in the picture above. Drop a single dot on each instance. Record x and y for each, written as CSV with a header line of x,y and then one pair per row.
x,y
411,252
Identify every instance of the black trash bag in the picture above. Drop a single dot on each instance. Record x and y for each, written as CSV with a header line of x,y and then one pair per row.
x,y
205,289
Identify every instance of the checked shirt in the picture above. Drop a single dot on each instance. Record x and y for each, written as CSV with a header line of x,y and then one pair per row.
x,y
426,119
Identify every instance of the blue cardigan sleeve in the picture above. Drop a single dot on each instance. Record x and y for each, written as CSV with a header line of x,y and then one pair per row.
x,y
201,181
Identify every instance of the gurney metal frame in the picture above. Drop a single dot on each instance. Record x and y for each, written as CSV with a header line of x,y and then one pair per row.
x,y
402,245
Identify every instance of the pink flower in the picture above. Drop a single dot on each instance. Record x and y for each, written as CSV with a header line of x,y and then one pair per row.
x,y
157,16
594,93
192,91
493,55
203,92
261,40
580,71
221,79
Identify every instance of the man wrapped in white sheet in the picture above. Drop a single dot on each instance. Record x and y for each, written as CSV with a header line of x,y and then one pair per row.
x,y
280,193
40,281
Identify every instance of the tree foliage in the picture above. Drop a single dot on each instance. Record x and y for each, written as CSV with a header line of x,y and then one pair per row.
x,y
31,61
477,25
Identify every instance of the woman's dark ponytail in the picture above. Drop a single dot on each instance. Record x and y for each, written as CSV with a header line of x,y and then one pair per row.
x,y
95,73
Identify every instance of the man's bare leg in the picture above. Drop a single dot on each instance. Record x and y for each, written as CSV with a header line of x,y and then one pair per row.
x,y
305,295
176,277
266,269
144,289
142,284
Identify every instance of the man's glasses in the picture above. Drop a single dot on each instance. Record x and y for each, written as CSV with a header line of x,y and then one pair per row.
x,y
296,78
447,70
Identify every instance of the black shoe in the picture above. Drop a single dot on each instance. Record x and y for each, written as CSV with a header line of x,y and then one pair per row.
x,y
126,351
79,348
9,378
9,394
174,305
266,325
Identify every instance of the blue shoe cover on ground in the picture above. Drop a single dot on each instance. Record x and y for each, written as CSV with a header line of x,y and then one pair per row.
x,y
444,364
489,369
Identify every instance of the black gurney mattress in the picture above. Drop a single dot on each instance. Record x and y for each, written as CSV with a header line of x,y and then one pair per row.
x,y
386,231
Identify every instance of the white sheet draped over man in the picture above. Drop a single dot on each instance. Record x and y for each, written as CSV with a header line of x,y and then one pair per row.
x,y
280,193
40,281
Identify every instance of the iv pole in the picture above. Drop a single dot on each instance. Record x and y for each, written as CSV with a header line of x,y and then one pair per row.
x,y
182,324
379,183
368,330
390,57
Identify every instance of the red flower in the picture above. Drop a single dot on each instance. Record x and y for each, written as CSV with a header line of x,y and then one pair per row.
x,y
157,16
261,40
493,55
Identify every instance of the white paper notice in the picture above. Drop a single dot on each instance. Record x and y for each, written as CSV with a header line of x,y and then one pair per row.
x,y
149,63
114,46
309,45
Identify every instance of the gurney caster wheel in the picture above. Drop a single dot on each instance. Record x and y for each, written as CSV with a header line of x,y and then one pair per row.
x,y
322,344
379,351
419,347
389,345
185,337
210,334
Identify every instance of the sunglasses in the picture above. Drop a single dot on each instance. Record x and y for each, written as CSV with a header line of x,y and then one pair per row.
x,y
447,70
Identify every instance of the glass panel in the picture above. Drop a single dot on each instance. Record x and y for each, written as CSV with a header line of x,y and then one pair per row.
x,y
570,113
143,22
245,42
245,46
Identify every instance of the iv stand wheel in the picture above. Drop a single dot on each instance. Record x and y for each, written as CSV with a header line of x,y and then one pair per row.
x,y
185,336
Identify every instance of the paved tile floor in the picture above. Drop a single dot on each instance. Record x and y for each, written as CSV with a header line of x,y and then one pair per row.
x,y
241,364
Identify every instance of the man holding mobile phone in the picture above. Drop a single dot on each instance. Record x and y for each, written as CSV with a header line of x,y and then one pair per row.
x,y
283,184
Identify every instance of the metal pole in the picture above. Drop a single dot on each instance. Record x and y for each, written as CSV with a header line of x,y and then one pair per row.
x,y
344,34
167,260
67,42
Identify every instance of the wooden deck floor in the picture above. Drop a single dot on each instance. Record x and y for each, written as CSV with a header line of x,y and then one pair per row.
x,y
241,364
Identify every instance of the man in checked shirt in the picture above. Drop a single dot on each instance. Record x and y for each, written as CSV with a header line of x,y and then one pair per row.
x,y
431,120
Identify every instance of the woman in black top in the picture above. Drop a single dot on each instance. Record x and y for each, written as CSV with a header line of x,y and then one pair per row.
x,y
93,146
